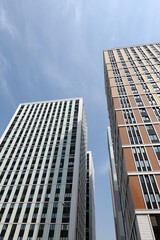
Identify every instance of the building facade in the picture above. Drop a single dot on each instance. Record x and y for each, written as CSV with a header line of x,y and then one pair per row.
x,y
132,84
43,159
90,200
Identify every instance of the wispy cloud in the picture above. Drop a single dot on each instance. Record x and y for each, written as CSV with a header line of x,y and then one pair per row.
x,y
72,7
4,85
104,168
5,23
55,77
78,13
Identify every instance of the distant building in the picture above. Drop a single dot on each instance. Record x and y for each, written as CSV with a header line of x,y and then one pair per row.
x,y
132,84
43,164
90,201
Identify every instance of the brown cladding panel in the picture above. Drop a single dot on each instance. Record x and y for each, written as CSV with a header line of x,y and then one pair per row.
x,y
136,192
150,87
135,79
128,90
122,73
119,65
151,115
106,57
110,74
137,116
125,82
124,136
128,156
119,117
132,101
114,91
139,88
131,71
144,135
116,103
109,67
128,64
112,82
152,158
145,101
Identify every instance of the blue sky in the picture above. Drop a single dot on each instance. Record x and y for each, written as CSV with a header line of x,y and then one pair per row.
x,y
53,49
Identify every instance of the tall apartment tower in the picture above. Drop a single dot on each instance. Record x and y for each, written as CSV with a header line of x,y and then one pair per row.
x,y
132,84
43,165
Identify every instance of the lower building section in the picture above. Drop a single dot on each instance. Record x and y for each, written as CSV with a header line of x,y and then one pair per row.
x,y
131,199
145,228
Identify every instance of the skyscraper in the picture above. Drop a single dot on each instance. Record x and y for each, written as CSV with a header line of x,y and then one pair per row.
x,y
132,84
43,166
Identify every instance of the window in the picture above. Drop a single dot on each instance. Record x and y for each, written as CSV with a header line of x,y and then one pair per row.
x,y
157,112
133,88
128,116
141,159
150,191
144,115
134,135
151,99
157,150
125,102
138,100
152,134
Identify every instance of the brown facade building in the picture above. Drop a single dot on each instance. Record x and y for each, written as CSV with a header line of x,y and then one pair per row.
x,y
132,84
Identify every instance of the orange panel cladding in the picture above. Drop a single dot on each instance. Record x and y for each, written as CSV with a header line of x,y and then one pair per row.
x,y
144,134
114,91
152,159
116,103
145,101
124,136
119,117
136,192
128,156
151,115
132,101
137,116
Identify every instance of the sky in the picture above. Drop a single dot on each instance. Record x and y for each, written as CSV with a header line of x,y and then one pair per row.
x,y
53,49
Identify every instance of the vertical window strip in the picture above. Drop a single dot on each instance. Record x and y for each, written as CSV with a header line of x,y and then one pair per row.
x,y
128,116
134,135
150,191
124,100
141,159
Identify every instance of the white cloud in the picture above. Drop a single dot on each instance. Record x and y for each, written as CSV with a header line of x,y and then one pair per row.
x,y
5,23
104,169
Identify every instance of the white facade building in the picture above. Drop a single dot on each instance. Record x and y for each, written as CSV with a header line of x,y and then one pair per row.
x,y
43,159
